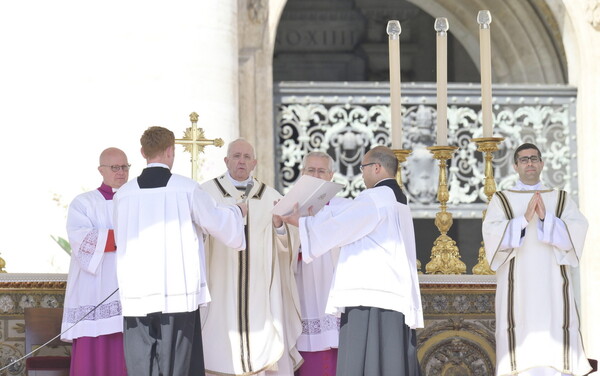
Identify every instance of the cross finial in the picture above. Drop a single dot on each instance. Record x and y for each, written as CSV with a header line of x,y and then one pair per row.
x,y
194,142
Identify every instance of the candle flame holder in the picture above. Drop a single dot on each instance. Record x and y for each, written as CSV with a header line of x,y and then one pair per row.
x,y
445,256
486,145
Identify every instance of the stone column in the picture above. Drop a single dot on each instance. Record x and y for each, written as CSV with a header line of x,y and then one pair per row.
x,y
217,85
581,29
256,84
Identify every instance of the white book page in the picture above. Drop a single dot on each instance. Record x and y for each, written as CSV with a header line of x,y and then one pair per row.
x,y
308,191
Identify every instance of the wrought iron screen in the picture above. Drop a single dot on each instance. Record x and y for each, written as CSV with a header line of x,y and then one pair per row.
x,y
347,119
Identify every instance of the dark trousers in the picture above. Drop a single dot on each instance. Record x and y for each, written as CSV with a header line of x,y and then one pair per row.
x,y
164,344
376,342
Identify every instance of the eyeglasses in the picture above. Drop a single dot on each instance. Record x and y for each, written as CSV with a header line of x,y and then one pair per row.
x,y
117,168
526,160
362,166
319,171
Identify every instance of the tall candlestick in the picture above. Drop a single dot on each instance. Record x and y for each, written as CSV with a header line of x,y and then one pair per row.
x,y
394,30
441,27
484,18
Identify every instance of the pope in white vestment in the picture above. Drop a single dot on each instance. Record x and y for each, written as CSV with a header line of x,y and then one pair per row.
x,y
253,320
537,321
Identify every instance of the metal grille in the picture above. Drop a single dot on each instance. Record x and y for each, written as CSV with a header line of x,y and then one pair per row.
x,y
347,119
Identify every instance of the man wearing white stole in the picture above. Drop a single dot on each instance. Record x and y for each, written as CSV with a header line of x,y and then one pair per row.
x,y
320,331
253,321
533,237
375,287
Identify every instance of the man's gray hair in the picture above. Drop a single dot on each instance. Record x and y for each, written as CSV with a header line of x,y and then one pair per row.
x,y
318,154
238,140
385,157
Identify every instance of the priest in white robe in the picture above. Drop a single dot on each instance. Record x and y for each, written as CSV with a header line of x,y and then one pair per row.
x,y
160,219
92,317
253,321
319,340
375,287
533,237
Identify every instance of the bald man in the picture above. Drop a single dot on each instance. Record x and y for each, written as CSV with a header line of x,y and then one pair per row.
x,y
253,321
97,339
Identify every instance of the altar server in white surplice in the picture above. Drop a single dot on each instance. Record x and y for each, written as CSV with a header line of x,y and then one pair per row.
x,y
533,237
320,331
375,287
160,219
253,321
98,338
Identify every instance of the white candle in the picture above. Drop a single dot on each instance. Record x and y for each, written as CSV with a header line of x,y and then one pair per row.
x,y
441,27
484,18
394,30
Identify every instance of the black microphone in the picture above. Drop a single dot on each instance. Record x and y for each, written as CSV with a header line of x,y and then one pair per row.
x,y
249,187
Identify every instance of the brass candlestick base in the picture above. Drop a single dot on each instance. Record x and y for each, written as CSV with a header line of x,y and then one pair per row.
x,y
486,145
445,256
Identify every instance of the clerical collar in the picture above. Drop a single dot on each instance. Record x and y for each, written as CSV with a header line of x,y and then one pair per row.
x,y
376,184
107,191
239,184
157,164
520,186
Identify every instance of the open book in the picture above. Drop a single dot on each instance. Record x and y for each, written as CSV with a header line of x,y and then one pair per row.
x,y
308,191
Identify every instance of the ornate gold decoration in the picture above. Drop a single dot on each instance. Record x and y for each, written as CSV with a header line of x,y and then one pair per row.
x,y
2,265
486,145
457,347
194,142
445,257
401,155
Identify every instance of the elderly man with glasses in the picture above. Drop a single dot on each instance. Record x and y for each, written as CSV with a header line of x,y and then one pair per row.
x,y
98,338
375,288
533,237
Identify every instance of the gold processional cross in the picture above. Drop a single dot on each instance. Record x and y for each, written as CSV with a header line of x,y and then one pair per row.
x,y
194,142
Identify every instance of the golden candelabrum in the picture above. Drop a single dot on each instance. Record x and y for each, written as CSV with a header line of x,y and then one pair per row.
x,y
486,145
401,155
445,257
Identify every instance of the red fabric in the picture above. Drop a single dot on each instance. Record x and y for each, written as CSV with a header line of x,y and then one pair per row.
x,y
110,242
47,363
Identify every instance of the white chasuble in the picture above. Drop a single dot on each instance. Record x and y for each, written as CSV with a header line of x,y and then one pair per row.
x,y
537,322
92,274
253,321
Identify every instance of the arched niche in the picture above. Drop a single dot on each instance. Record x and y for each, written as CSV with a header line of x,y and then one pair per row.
x,y
526,37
